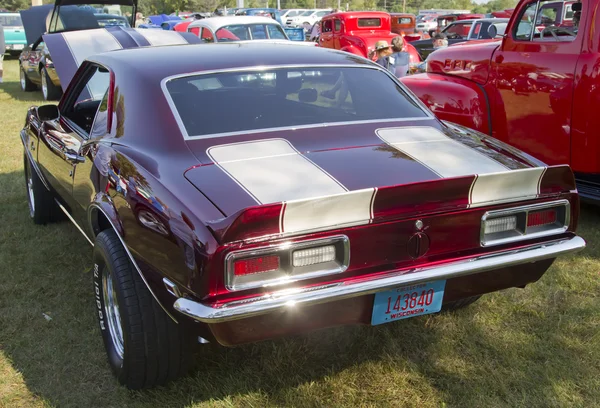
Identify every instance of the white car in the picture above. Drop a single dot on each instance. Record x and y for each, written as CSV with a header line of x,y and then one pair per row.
x,y
428,22
240,28
307,19
289,13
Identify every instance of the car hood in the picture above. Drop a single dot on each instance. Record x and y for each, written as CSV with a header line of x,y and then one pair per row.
x,y
69,49
238,172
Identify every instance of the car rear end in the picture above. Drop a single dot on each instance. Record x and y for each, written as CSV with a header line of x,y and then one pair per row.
x,y
331,221
14,33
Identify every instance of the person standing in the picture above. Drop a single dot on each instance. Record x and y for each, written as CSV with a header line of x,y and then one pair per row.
x,y
2,50
399,61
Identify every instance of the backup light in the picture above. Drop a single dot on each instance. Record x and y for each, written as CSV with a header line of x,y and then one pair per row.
x,y
501,224
313,256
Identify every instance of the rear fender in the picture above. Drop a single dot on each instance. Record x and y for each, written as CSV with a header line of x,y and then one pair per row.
x,y
453,99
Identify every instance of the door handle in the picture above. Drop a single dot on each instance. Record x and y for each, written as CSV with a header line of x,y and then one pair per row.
x,y
74,158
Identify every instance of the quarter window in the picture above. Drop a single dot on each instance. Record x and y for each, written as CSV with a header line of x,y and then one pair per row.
x,y
337,25
207,36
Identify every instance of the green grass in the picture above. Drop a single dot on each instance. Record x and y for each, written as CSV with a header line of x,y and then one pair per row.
x,y
533,347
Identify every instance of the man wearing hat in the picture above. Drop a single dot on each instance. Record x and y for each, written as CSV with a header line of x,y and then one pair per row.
x,y
381,52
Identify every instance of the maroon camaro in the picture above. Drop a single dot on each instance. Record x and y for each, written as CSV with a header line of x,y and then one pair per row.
x,y
229,198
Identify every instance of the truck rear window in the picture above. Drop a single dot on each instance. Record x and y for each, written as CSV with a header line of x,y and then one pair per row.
x,y
237,102
369,22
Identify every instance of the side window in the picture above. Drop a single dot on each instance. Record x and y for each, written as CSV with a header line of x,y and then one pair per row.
x,y
337,25
206,35
195,31
275,32
542,21
258,32
87,100
477,31
327,26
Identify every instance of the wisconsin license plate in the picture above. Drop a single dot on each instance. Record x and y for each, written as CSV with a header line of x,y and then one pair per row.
x,y
408,301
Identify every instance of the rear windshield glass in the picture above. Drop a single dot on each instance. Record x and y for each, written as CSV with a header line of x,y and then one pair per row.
x,y
10,20
369,22
249,101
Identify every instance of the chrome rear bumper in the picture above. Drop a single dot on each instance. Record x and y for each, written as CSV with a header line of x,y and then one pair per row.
x,y
327,293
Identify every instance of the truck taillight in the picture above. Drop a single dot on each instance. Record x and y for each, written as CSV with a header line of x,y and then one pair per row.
x,y
285,263
525,222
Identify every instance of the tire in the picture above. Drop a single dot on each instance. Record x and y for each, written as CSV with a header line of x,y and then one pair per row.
x,y
50,91
459,304
145,348
26,84
42,207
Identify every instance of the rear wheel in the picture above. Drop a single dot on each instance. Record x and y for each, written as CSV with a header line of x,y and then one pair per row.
x,y
26,84
50,91
145,347
459,304
42,207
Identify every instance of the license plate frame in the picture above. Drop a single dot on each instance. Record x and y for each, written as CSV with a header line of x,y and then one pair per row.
x,y
395,304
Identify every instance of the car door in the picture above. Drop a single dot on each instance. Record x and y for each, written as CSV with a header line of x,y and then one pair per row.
x,y
63,140
337,33
326,37
535,69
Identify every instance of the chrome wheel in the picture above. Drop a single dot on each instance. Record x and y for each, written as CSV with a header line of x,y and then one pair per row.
x,y
111,309
30,192
44,85
22,79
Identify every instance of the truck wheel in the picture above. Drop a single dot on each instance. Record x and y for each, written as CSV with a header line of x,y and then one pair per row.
x,y
459,304
145,347
42,208
50,91
26,84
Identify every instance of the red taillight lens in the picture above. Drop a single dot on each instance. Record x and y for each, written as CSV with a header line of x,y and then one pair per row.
x,y
256,265
538,218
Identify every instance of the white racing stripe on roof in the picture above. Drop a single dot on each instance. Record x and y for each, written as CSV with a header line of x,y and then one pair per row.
x,y
441,154
507,186
273,171
161,37
85,43
347,209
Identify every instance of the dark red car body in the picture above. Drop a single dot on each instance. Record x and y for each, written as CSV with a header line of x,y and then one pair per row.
x,y
341,31
195,214
538,96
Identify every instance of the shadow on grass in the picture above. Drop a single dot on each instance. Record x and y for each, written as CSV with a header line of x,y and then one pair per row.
x,y
515,348
13,88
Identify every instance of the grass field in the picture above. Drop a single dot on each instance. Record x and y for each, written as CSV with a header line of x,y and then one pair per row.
x,y
533,347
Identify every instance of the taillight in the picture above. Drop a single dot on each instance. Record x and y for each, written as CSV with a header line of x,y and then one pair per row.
x,y
286,263
526,222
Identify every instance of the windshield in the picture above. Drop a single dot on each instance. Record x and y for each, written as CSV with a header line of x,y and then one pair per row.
x,y
286,97
88,16
11,20
293,13
307,13
245,32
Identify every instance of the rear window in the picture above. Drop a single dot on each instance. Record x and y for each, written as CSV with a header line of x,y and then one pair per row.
x,y
404,20
10,20
369,22
244,32
256,100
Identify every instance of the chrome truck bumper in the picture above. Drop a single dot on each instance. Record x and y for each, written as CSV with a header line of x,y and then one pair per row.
x,y
330,292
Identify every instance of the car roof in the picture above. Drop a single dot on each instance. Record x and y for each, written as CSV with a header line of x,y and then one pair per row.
x,y
484,20
214,23
358,14
172,60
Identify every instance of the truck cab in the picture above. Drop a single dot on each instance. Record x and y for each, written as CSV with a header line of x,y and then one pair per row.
x,y
535,88
357,32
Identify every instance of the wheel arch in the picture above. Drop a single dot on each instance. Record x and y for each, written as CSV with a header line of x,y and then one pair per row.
x,y
102,215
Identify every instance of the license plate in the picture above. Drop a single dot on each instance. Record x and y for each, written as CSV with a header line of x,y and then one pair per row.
x,y
408,301
18,46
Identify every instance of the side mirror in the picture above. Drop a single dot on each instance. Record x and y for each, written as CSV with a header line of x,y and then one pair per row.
x,y
492,31
308,95
48,112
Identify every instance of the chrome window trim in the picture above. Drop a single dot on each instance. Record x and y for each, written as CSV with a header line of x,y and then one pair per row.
x,y
525,209
287,247
411,96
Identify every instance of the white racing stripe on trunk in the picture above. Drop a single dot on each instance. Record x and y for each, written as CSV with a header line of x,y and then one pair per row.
x,y
274,171
348,209
441,154
89,42
507,186
161,37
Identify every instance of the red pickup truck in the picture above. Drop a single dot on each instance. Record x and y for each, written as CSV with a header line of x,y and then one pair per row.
x,y
536,88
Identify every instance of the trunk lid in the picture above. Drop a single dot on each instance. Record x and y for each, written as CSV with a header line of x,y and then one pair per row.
x,y
334,175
